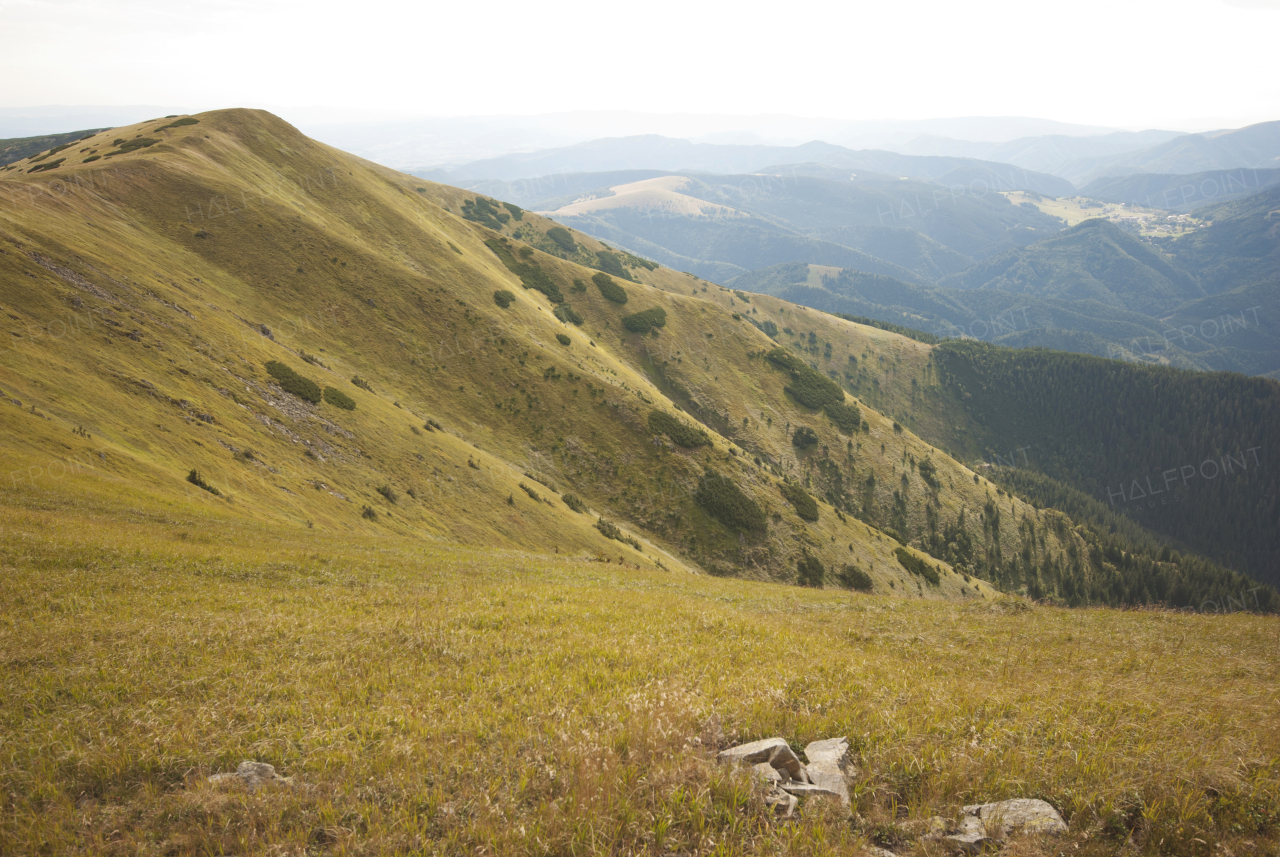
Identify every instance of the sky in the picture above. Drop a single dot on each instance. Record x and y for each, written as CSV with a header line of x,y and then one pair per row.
x,y
1178,64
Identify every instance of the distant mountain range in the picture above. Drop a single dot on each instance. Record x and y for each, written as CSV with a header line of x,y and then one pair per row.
x,y
913,253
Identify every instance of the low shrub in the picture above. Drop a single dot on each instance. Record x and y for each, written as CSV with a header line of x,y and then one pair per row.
x,y
611,290
563,238
368,514
852,577
572,501
917,566
846,417
929,473
339,399
52,165
810,570
806,507
180,123
503,298
385,491
568,314
362,383
293,383
578,285
197,480
726,502
661,422
562,339
804,438
611,264
645,320
517,213
133,145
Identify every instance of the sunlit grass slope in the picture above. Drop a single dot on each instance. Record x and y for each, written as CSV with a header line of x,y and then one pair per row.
x,y
148,286
442,699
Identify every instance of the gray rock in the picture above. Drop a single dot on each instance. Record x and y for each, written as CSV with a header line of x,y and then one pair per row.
x,y
875,851
1024,815
782,803
830,766
775,751
252,774
967,843
811,790
767,772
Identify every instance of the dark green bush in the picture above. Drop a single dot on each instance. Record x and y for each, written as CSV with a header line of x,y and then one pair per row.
x,y
645,320
197,480
180,123
133,145
725,501
806,507
611,264
339,399
578,285
846,417
611,290
929,473
808,387
852,577
563,238
293,383
917,566
568,314
608,529
368,514
485,212
52,165
362,383
660,422
385,491
562,339
572,501
517,213
531,276
811,570
503,298
533,495
804,438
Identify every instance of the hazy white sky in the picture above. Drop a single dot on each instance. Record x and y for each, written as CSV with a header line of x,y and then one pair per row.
x,y
1167,63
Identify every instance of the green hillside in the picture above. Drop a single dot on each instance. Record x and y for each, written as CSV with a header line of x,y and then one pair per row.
x,y
493,374
1094,261
1239,248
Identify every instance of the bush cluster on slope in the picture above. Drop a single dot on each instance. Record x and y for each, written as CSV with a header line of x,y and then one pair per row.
x,y
725,501
611,290
645,320
806,507
293,383
661,422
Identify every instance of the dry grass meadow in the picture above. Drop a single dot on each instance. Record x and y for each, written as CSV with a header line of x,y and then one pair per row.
x,y
450,700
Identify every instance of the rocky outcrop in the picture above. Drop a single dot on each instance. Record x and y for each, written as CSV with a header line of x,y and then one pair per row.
x,y
252,774
787,778
982,823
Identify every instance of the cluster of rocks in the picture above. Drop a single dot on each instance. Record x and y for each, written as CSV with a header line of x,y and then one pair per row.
x,y
830,769
827,773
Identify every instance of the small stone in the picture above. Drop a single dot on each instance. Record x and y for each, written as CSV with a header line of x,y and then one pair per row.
x,y
782,803
1024,815
875,851
252,774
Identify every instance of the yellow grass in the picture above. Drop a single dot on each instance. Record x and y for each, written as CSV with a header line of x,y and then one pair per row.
x,y
449,700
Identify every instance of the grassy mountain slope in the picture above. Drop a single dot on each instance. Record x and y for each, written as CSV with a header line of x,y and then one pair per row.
x,y
1096,261
151,285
